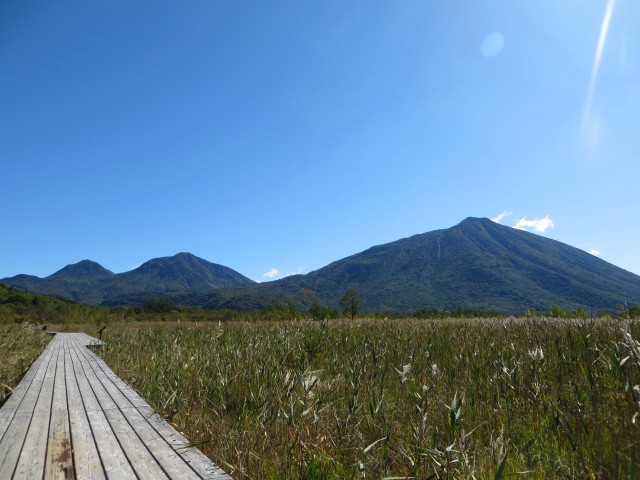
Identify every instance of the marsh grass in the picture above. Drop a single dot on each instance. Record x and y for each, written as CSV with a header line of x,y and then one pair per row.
x,y
535,398
20,345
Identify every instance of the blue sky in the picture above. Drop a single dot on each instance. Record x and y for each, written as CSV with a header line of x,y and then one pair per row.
x,y
281,136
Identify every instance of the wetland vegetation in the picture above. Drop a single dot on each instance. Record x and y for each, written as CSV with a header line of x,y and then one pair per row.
x,y
530,397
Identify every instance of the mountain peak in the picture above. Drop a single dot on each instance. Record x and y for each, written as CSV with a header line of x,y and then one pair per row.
x,y
188,257
181,272
184,259
477,264
475,221
85,270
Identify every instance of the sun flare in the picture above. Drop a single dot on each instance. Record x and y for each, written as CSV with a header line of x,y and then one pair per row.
x,y
602,40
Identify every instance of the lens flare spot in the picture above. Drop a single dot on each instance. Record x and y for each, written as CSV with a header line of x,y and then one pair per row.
x,y
492,44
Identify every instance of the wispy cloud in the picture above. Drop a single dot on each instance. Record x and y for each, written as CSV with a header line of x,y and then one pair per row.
x,y
595,252
501,216
273,273
539,225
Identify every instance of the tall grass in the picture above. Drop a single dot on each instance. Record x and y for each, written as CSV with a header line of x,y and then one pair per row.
x,y
535,398
20,345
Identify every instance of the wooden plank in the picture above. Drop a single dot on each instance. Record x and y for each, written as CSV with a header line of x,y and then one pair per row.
x,y
112,457
11,405
129,393
86,458
11,446
194,457
21,417
139,456
174,465
59,458
178,443
82,339
198,462
32,456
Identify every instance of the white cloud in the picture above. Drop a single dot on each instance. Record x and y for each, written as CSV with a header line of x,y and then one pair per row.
x,y
274,272
595,252
539,225
501,216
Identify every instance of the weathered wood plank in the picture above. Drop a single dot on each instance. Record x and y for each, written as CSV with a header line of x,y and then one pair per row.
x,y
128,392
200,463
86,458
194,457
32,456
11,405
113,459
81,339
139,456
11,446
20,417
174,465
59,458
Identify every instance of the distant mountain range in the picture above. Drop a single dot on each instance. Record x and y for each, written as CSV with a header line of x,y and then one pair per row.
x,y
89,282
477,265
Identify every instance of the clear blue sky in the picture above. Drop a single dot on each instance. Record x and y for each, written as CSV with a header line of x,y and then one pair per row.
x,y
284,135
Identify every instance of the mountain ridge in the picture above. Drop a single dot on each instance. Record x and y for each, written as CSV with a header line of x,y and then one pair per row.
x,y
89,282
477,264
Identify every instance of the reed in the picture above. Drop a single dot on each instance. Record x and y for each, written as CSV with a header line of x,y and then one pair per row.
x,y
486,398
20,345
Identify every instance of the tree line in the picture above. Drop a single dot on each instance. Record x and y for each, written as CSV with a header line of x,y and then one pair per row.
x,y
19,306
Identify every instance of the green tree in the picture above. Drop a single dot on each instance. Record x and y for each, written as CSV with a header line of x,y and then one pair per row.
x,y
154,305
557,312
322,312
291,311
351,302
579,313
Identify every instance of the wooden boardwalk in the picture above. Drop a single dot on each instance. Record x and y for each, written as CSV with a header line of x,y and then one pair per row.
x,y
72,417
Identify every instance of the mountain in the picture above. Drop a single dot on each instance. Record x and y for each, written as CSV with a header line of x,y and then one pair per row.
x,y
85,271
183,272
69,283
89,282
477,265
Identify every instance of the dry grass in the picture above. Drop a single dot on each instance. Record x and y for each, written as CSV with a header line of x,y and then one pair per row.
x,y
524,398
536,398
20,345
